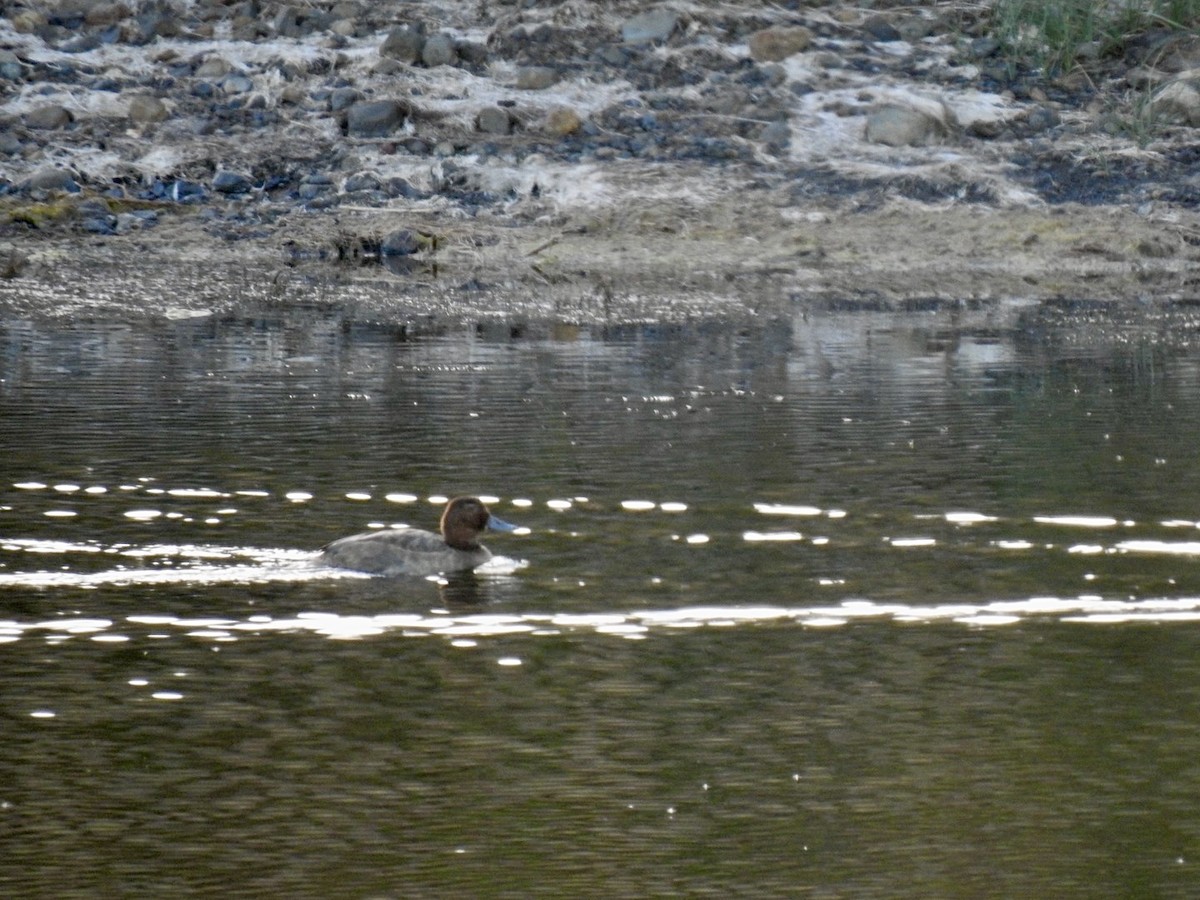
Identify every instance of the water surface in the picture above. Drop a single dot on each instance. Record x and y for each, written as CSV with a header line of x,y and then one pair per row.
x,y
852,605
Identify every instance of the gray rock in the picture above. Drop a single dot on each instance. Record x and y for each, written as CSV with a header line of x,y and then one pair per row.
x,y
472,52
649,27
904,126
1179,99
106,225
81,43
50,179
403,242
157,21
290,22
105,14
144,110
562,120
11,68
212,68
310,190
135,221
776,136
439,51
48,117
494,120
775,44
880,27
10,144
403,43
346,9
237,84
26,21
226,182
536,78
362,181
401,187
983,47
1042,118
915,28
248,30
375,118
343,98
294,94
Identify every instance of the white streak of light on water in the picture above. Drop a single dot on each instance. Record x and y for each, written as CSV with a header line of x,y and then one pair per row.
x,y
464,630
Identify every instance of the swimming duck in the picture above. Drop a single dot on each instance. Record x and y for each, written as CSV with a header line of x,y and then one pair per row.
x,y
411,551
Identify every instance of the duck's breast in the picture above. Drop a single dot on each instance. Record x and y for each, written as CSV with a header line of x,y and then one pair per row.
x,y
409,551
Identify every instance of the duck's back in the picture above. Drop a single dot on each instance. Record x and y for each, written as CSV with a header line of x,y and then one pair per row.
x,y
408,551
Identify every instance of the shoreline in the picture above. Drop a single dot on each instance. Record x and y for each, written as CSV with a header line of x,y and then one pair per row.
x,y
561,164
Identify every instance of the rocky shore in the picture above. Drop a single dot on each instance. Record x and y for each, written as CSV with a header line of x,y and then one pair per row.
x,y
582,161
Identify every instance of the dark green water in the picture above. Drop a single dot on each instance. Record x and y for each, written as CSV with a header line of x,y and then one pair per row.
x,y
851,606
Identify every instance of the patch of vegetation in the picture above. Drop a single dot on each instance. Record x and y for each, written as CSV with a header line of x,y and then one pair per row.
x,y
1057,35
1085,41
37,214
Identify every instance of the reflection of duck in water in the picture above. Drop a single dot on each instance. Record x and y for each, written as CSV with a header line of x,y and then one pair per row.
x,y
411,551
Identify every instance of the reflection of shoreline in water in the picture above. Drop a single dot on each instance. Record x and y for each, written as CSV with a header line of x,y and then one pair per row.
x,y
490,584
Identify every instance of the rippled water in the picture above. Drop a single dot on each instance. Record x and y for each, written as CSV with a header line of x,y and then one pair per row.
x,y
855,605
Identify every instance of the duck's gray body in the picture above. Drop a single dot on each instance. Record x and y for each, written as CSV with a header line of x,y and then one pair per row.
x,y
411,551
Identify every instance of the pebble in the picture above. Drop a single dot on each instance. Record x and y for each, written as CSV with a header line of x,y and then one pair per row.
x,y
403,242
494,120
472,53
27,21
880,27
99,224
11,67
343,98
236,84
136,220
776,136
226,182
362,181
562,121
1179,99
439,51
51,179
404,44
775,44
46,118
536,78
1042,118
103,14
144,110
213,68
374,118
653,26
903,126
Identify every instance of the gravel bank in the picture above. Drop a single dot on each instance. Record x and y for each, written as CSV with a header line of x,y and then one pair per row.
x,y
577,161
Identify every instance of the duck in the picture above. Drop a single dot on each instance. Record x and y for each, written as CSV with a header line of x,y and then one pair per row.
x,y
413,551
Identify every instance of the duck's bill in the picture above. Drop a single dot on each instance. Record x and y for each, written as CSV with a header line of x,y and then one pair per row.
x,y
498,524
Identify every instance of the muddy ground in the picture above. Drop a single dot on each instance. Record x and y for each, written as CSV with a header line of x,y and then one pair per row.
x,y
653,261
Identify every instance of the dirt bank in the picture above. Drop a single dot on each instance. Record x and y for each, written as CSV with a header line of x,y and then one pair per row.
x,y
658,260
564,161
